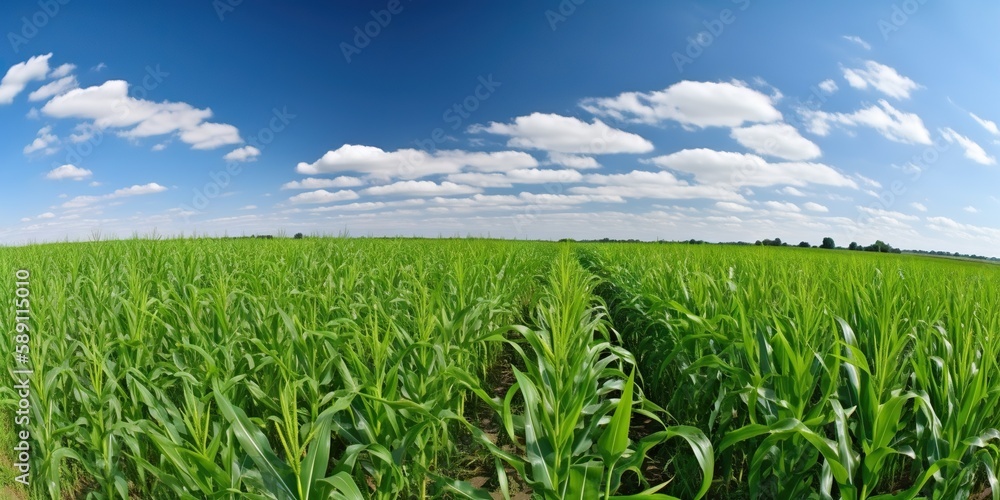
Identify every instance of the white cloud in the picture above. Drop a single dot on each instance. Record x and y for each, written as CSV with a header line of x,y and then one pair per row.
x,y
314,183
249,207
69,171
722,168
110,106
971,209
520,176
815,207
412,163
883,78
568,199
44,140
828,86
732,207
480,179
62,70
539,176
918,206
206,135
892,215
94,184
246,153
420,188
868,181
324,196
858,40
158,147
698,104
20,74
989,125
564,134
973,151
782,206
789,190
776,139
100,66
58,87
136,190
893,124
952,230
661,185
47,215
573,161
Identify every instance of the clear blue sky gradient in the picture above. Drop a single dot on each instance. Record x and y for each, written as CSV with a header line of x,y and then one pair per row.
x,y
277,72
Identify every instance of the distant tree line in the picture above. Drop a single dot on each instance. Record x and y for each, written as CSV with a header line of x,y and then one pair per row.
x,y
828,243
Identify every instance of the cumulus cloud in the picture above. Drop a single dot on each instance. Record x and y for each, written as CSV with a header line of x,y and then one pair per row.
x,y
420,188
828,86
573,161
136,190
782,206
519,176
20,74
661,185
883,78
482,180
732,207
776,139
58,87
564,134
62,70
918,206
720,168
815,207
893,124
315,183
790,191
44,141
953,229
971,209
694,104
972,150
324,196
413,163
246,153
68,171
109,106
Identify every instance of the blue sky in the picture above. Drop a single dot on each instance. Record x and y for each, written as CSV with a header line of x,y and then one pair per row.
x,y
727,120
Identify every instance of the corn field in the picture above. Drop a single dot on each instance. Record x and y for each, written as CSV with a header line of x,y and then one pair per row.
x,y
371,368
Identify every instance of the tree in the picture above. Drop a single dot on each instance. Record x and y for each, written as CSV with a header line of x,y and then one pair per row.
x,y
828,243
299,236
804,244
854,246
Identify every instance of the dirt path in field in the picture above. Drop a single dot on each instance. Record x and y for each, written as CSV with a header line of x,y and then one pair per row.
x,y
10,491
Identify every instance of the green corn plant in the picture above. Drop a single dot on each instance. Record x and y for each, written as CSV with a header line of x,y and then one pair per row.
x,y
572,436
